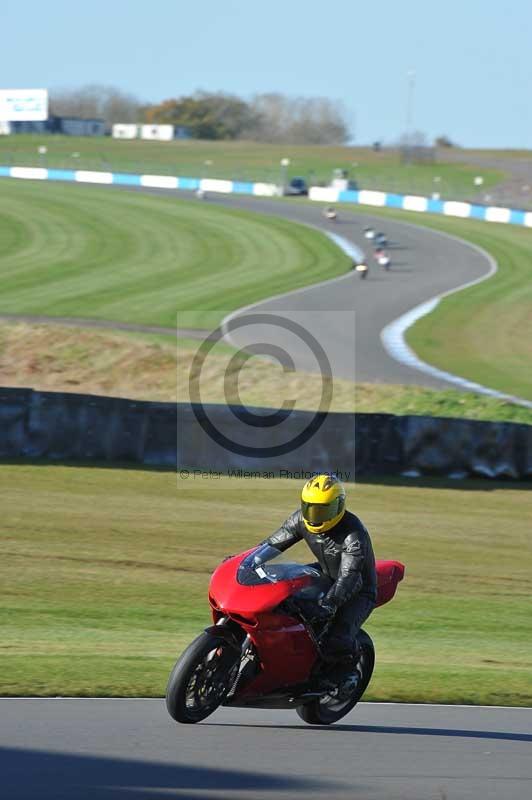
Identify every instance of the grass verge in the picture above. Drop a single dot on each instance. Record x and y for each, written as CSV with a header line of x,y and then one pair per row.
x,y
248,161
105,572
154,367
124,256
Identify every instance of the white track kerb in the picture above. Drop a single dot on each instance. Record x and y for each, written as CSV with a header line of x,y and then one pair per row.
x,y
393,335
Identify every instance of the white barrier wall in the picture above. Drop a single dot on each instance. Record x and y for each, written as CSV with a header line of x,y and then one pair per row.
x,y
122,131
324,194
215,185
159,181
267,190
159,133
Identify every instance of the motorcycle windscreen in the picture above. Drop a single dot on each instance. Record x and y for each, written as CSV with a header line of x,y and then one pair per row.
x,y
264,565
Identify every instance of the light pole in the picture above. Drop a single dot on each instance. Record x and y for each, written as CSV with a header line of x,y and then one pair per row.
x,y
285,162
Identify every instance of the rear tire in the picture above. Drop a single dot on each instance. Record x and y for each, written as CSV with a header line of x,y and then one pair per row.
x,y
323,712
201,679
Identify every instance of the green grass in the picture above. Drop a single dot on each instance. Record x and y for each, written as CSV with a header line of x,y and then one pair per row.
x,y
91,252
483,333
246,161
104,577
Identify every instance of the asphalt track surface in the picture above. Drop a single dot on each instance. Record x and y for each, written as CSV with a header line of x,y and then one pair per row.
x,y
425,263
113,749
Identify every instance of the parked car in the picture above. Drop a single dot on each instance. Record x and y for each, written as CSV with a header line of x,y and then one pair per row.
x,y
296,186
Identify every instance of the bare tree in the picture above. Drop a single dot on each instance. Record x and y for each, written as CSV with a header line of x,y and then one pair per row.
x,y
413,139
95,101
299,120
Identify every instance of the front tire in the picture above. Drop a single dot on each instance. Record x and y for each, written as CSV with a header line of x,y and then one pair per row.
x,y
201,679
327,710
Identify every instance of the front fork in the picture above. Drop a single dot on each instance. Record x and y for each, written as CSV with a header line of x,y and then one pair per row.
x,y
222,631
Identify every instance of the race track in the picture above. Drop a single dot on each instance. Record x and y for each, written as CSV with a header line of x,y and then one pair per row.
x,y
112,749
425,263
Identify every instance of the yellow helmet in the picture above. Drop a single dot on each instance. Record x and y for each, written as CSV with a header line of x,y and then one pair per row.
x,y
322,503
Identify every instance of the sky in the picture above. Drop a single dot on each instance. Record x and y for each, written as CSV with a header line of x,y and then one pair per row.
x,y
472,59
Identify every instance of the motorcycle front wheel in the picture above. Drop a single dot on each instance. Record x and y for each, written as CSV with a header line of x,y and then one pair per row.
x,y
201,679
330,708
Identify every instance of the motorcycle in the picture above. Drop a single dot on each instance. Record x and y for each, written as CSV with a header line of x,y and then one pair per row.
x,y
362,270
267,649
330,214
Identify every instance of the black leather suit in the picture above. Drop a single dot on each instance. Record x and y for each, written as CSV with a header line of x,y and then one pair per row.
x,y
345,554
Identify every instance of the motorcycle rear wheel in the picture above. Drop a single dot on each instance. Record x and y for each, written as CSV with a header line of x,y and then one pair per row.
x,y
201,679
327,710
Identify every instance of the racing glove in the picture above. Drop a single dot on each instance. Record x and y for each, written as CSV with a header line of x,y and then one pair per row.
x,y
327,608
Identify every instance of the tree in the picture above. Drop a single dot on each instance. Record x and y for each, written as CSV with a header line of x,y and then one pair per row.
x,y
269,117
206,115
299,120
96,101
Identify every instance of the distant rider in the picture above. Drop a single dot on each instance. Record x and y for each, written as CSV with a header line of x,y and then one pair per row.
x,y
342,545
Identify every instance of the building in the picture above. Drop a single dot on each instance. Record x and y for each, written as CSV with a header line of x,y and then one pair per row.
x,y
68,126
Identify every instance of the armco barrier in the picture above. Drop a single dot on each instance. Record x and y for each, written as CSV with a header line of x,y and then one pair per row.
x,y
451,208
72,427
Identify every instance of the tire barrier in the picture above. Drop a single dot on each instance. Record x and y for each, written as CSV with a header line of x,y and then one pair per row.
x,y
65,427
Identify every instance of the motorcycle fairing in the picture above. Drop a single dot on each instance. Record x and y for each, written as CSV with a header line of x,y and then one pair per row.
x,y
284,647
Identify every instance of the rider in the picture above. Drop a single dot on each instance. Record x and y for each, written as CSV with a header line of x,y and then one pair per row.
x,y
342,545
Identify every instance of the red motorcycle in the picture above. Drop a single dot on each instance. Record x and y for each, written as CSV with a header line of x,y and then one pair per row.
x,y
265,648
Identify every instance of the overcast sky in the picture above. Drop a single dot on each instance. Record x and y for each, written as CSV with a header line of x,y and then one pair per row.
x,y
472,58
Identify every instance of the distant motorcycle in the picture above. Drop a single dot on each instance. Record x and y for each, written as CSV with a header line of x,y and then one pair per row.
x,y
266,648
330,213
369,233
362,270
382,258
